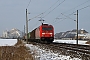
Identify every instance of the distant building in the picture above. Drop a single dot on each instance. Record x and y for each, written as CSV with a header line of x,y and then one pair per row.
x,y
5,34
13,33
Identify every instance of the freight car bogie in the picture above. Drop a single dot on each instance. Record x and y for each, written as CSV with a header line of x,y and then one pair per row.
x,y
42,40
34,40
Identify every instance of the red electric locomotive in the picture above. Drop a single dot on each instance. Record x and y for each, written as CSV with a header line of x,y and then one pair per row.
x,y
44,33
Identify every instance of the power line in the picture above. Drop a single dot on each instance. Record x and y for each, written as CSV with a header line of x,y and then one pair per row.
x,y
57,6
54,8
68,17
84,7
77,6
51,6
64,18
36,16
80,9
28,3
46,10
59,19
75,11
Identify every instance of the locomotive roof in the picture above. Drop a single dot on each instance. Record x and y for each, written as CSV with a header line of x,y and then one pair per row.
x,y
45,24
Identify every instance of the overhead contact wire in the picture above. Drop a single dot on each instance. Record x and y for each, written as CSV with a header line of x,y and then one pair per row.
x,y
46,10
54,8
75,11
28,3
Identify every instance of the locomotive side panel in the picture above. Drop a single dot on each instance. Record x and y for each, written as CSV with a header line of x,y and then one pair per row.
x,y
40,31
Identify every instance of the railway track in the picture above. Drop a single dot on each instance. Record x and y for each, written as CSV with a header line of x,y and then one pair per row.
x,y
80,48
73,50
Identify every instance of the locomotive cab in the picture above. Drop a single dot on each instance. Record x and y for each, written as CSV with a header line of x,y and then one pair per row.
x,y
47,32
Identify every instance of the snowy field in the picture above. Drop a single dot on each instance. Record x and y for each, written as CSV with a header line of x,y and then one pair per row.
x,y
4,42
71,41
46,54
7,42
43,54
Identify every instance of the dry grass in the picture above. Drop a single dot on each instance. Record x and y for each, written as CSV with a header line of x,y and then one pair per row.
x,y
17,52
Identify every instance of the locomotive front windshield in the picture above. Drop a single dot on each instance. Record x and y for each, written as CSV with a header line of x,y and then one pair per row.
x,y
47,28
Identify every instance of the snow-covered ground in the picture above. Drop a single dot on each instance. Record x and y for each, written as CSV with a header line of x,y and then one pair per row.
x,y
43,54
71,41
7,42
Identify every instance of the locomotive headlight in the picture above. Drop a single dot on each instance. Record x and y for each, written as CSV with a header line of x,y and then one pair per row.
x,y
50,33
43,33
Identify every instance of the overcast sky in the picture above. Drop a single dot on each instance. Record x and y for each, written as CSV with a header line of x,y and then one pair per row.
x,y
59,13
